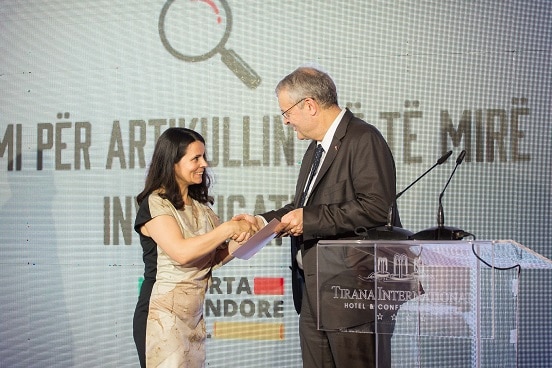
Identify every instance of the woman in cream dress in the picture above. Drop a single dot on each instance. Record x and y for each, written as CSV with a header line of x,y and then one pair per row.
x,y
182,243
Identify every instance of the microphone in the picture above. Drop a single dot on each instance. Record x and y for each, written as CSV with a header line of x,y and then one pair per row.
x,y
441,232
440,161
440,213
389,231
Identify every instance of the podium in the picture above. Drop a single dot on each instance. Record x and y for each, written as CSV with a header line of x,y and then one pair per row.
x,y
430,303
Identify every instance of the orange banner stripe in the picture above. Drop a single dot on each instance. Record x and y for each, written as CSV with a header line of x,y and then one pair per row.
x,y
248,331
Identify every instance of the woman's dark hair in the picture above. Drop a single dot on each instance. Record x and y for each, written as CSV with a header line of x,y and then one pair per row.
x,y
169,149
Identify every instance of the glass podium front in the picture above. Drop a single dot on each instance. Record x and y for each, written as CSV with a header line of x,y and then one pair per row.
x,y
439,303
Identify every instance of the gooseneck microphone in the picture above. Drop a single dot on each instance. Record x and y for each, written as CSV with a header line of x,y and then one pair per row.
x,y
388,231
440,212
442,232
440,161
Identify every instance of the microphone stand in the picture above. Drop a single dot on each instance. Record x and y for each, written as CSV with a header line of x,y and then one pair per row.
x,y
390,232
442,232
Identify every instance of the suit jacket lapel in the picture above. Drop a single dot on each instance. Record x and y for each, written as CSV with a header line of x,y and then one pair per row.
x,y
334,147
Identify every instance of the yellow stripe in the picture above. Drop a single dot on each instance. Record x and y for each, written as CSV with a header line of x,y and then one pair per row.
x,y
248,331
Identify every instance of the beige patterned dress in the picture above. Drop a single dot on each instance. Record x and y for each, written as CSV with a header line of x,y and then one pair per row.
x,y
175,332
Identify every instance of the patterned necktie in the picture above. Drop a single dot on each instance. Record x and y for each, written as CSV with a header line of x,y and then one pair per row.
x,y
315,162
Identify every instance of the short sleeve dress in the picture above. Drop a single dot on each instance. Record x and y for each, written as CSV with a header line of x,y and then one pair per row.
x,y
175,330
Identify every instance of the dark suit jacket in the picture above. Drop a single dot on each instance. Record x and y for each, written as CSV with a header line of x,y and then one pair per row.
x,y
354,187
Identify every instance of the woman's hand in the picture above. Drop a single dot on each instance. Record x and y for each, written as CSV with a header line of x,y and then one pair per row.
x,y
242,230
254,220
233,246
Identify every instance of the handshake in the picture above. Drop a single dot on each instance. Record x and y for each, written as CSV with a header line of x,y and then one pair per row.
x,y
257,232
290,224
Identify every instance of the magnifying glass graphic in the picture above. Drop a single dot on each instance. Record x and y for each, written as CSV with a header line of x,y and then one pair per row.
x,y
194,26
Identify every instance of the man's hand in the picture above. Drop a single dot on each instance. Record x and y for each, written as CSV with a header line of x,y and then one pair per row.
x,y
291,223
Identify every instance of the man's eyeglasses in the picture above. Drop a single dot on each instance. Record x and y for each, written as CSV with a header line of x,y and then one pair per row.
x,y
285,114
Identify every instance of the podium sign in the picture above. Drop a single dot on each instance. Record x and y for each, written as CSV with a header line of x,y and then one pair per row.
x,y
442,303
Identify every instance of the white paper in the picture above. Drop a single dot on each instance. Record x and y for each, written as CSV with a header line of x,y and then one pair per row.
x,y
257,241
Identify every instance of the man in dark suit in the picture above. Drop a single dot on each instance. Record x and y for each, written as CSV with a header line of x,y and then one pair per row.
x,y
353,186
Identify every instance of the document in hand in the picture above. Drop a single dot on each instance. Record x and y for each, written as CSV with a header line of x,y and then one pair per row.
x,y
257,241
